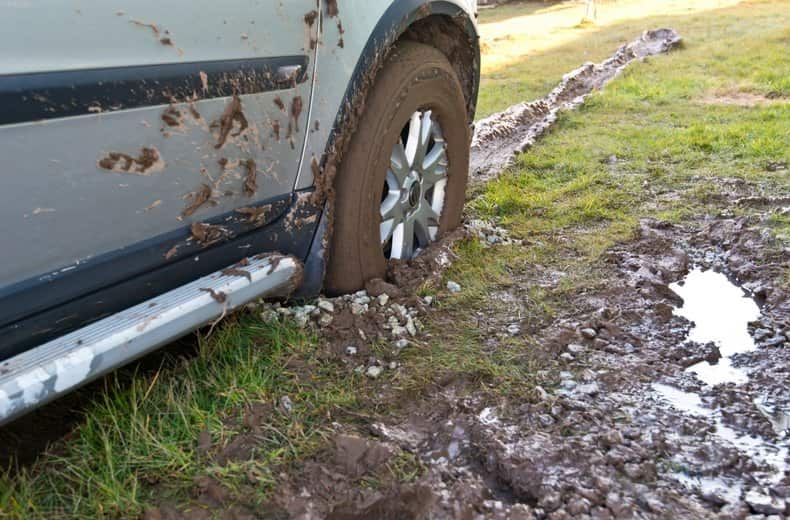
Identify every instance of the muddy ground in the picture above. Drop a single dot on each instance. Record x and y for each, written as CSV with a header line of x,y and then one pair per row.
x,y
601,437
618,426
620,423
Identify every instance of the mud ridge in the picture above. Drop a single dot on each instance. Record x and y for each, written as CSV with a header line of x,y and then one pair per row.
x,y
499,137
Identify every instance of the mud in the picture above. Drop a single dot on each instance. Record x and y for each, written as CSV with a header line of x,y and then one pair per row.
x,y
218,296
616,426
296,111
258,216
332,10
250,186
172,117
208,234
197,199
276,129
231,118
148,162
235,271
341,42
500,137
310,18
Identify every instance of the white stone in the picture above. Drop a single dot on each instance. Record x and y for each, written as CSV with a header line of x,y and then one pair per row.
x,y
765,504
410,327
374,371
575,349
453,287
327,306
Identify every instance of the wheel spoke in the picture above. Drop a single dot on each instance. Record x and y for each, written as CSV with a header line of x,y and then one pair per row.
x,y
426,129
412,143
387,228
399,162
403,240
390,207
434,167
426,216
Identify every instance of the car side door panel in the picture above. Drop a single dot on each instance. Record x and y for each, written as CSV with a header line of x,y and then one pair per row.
x,y
119,130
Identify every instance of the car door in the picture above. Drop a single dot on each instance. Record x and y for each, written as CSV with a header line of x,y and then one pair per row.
x,y
125,125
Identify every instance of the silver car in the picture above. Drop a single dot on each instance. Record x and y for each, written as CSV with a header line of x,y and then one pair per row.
x,y
166,163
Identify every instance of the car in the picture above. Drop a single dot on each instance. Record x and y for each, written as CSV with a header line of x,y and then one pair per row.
x,y
168,162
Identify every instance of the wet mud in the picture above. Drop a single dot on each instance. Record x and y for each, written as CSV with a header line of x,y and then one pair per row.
x,y
232,123
208,234
621,423
147,162
197,199
499,137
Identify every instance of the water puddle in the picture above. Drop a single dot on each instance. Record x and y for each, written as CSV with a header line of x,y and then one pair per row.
x,y
757,448
721,312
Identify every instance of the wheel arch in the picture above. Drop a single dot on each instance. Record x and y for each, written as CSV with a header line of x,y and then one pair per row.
x,y
443,24
456,37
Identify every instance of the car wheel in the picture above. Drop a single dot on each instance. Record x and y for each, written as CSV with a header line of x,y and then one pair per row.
x,y
403,178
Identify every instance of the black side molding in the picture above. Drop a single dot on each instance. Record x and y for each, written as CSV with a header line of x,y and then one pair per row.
x,y
49,95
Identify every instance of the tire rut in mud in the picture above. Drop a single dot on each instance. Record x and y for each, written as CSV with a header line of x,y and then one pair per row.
x,y
498,138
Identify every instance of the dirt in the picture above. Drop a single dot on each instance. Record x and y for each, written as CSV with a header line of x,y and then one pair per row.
x,y
595,437
172,117
231,118
257,216
332,10
197,199
341,43
250,186
276,129
296,112
235,271
280,104
500,137
163,36
208,234
148,162
310,18
742,99
218,296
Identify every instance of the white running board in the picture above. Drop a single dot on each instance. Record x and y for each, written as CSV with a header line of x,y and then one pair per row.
x,y
42,374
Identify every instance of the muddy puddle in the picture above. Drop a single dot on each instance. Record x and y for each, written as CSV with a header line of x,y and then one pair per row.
x,y
720,312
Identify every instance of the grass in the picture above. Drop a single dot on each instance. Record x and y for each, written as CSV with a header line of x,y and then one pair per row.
x,y
655,142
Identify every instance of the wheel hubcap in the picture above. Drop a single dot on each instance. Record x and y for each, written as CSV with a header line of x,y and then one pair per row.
x,y
413,194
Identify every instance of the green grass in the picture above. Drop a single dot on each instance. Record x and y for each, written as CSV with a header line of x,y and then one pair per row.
x,y
143,436
138,444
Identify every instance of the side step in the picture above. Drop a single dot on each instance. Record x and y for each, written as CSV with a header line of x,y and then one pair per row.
x,y
40,375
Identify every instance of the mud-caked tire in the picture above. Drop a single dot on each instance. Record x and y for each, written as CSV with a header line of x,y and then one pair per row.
x,y
415,78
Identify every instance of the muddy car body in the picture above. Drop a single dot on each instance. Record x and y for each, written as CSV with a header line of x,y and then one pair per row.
x,y
165,164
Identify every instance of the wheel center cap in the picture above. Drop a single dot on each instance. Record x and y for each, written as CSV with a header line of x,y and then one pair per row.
x,y
414,195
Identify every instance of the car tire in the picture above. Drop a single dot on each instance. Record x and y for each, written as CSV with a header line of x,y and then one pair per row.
x,y
417,81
